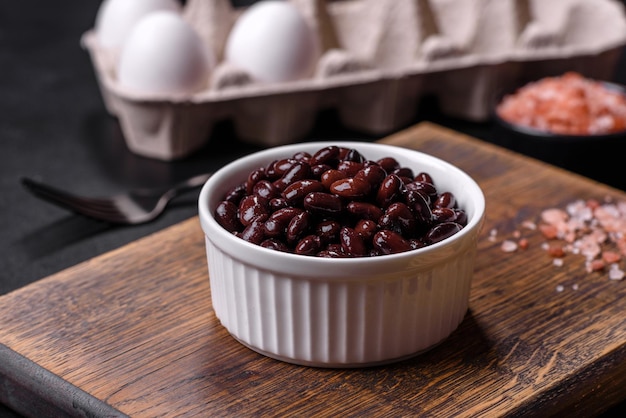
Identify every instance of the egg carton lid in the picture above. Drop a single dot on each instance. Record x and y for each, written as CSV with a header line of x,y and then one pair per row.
x,y
379,58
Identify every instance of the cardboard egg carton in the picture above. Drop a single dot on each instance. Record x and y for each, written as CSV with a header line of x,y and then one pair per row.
x,y
380,57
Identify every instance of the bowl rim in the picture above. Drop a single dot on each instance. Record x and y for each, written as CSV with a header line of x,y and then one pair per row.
x,y
216,232
552,136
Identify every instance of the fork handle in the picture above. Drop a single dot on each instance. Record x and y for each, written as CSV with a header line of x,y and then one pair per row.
x,y
190,183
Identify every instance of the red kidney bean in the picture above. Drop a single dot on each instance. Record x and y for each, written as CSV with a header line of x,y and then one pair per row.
x,y
389,242
309,245
297,190
442,231
398,218
441,215
390,190
277,203
328,231
349,168
388,164
445,200
352,243
299,170
298,226
366,228
226,215
235,194
354,155
325,155
461,217
274,244
404,172
419,205
251,207
254,177
324,204
280,167
276,224
373,174
424,178
270,172
426,189
302,156
351,188
318,169
364,210
330,176
265,189
255,231
343,152
330,254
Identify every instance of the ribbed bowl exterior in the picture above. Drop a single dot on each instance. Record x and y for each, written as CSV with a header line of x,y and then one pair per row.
x,y
340,323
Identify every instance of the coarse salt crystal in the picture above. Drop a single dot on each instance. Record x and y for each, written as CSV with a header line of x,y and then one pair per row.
x,y
616,274
594,265
558,262
508,246
548,231
556,251
611,256
523,243
560,288
554,216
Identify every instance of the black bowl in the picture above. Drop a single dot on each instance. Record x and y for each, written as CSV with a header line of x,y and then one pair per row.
x,y
601,157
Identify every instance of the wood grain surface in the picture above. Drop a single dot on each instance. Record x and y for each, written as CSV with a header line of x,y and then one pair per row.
x,y
135,327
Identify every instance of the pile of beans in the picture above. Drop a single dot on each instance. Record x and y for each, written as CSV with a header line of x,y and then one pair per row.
x,y
335,203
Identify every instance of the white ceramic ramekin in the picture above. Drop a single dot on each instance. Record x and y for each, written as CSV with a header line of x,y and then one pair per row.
x,y
341,312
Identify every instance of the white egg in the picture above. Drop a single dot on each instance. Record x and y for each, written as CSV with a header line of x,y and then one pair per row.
x,y
273,42
116,18
164,55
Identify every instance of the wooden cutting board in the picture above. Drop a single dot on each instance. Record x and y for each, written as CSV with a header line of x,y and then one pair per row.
x,y
133,331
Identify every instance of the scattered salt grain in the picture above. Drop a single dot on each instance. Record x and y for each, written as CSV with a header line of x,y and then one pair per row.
x,y
554,216
575,286
556,251
508,246
594,265
590,228
548,231
523,243
615,273
560,288
611,257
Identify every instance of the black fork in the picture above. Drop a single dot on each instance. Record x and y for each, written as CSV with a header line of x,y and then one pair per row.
x,y
134,207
